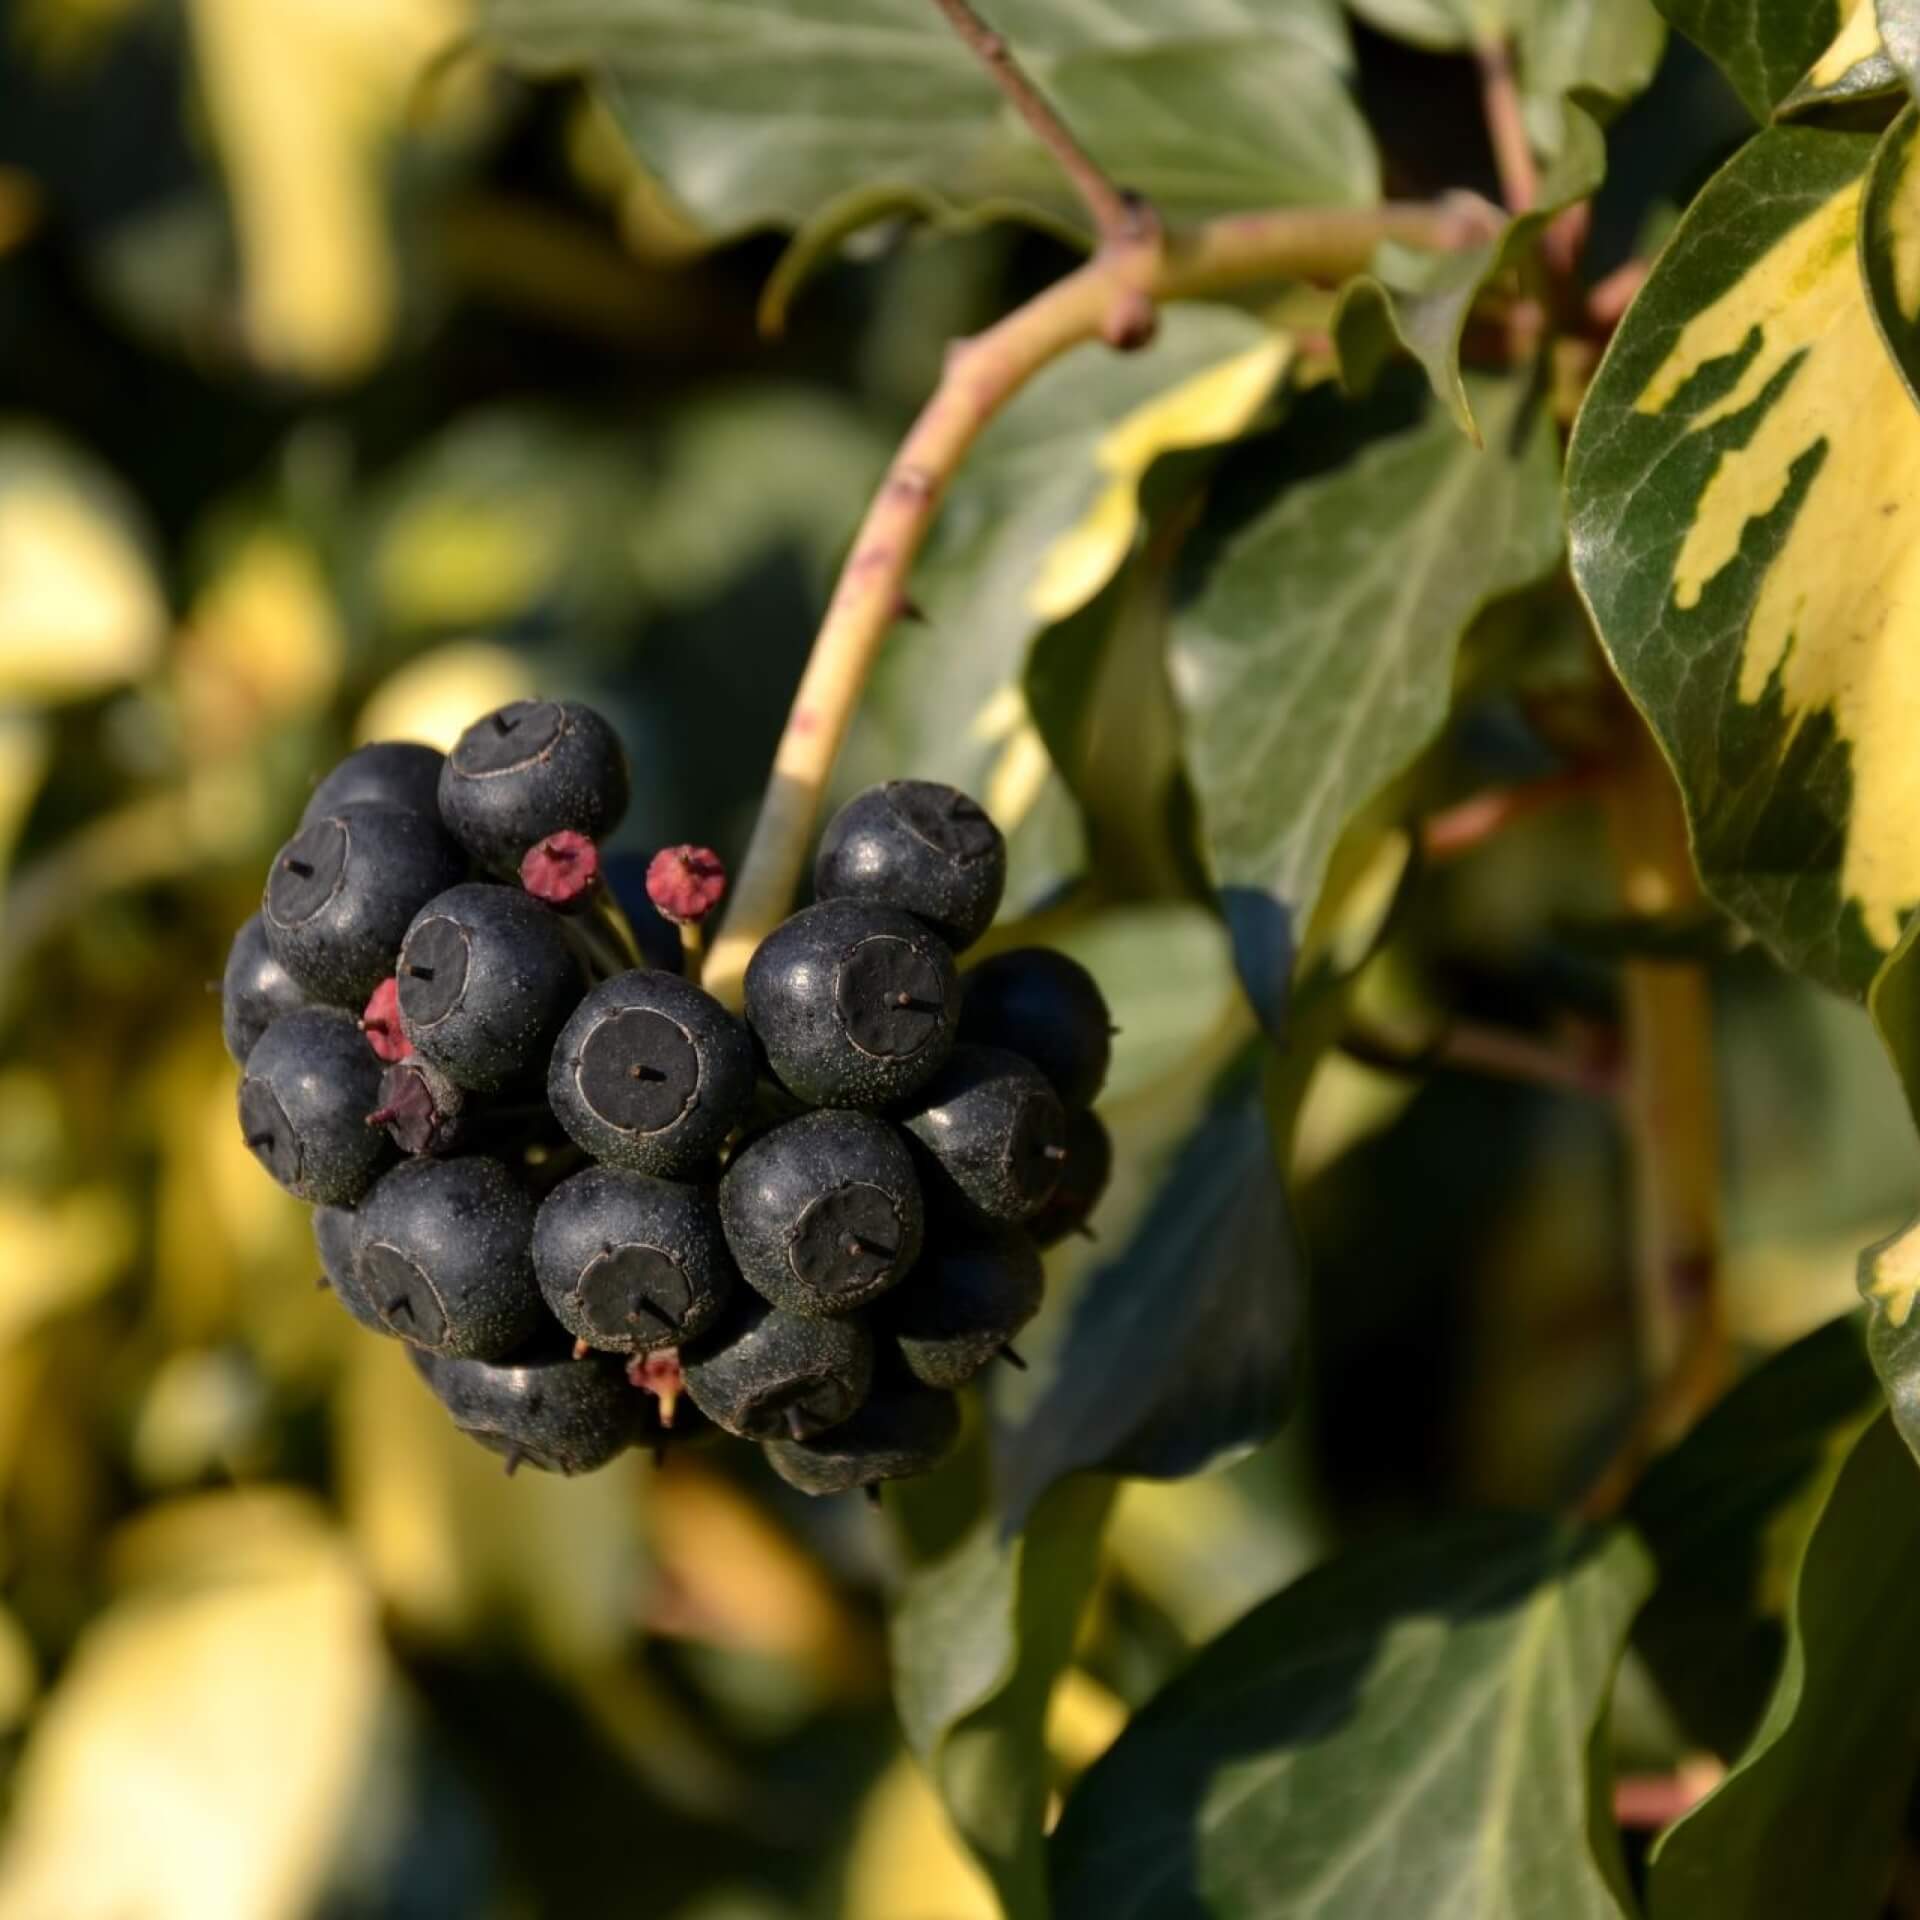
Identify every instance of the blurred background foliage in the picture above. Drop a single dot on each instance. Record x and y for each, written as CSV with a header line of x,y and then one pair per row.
x,y
349,389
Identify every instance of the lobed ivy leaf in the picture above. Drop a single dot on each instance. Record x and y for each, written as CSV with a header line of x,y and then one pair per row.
x,y
1740,480
1764,47
757,116
1313,646
1726,1514
1409,1730
1421,302
1838,1752
979,1636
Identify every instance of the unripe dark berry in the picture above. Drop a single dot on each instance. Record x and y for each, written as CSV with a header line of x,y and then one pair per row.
x,y
903,1430
548,1411
763,1373
255,991
993,1133
651,1073
422,1110
968,1297
1047,1008
443,1250
343,891
824,1212
389,773
486,981
333,1240
854,1005
530,769
308,1086
919,845
1083,1179
629,1263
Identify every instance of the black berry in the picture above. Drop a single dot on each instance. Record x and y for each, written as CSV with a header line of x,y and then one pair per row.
x,y
629,1263
486,980
763,1373
994,1133
824,1212
389,773
1048,1009
651,1073
904,1429
443,1250
971,1293
343,890
309,1083
530,769
1083,1179
548,1411
333,1239
918,845
255,991
853,1004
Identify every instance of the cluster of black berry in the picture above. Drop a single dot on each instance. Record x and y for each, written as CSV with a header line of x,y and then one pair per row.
x,y
560,1177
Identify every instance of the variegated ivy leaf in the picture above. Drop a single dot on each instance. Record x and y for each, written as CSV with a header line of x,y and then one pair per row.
x,y
1743,480
1890,244
1900,34
1857,66
1765,47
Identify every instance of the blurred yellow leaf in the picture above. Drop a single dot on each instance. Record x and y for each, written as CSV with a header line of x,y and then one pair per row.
x,y
80,609
305,97
26,752
261,642
906,1863
200,1757
455,1544
57,1250
448,561
729,1575
434,697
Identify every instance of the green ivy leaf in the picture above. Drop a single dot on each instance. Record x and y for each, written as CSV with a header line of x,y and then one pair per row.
x,y
1312,653
1162,1382
761,116
1421,302
1741,478
1718,1513
1838,1751
979,1636
1407,1730
1763,46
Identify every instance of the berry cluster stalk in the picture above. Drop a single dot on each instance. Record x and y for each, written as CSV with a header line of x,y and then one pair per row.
x,y
1113,296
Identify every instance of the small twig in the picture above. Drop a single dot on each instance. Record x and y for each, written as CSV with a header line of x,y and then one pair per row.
x,y
1506,125
1609,300
1672,1112
1457,830
1467,1046
1690,1387
1646,1802
981,376
1119,219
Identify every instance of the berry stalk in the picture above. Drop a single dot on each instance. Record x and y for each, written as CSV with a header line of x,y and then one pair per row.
x,y
981,376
